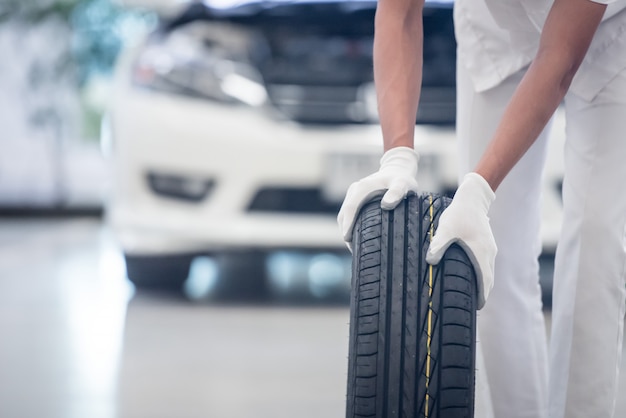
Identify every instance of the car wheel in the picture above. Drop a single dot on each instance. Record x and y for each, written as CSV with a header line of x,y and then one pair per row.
x,y
412,326
167,272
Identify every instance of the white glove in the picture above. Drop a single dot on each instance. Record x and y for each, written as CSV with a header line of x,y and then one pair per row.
x,y
397,176
466,222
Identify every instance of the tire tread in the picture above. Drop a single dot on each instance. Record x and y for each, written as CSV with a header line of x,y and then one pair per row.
x,y
389,318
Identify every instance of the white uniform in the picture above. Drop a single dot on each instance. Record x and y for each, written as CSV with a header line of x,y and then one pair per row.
x,y
497,39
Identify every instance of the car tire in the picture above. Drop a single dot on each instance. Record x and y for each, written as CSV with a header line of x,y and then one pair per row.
x,y
242,276
166,272
412,326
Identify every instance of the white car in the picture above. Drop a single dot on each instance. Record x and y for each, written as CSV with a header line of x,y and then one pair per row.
x,y
238,129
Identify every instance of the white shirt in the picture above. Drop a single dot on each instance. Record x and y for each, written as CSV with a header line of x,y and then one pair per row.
x,y
497,38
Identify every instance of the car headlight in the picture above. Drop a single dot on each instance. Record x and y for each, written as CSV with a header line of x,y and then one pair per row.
x,y
181,64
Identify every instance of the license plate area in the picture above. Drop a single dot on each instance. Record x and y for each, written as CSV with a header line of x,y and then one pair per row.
x,y
341,170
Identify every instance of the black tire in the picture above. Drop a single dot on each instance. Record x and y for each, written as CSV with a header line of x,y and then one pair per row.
x,y
167,272
412,349
242,276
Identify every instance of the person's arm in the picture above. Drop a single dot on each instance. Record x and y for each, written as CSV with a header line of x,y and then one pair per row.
x,y
398,44
565,39
566,36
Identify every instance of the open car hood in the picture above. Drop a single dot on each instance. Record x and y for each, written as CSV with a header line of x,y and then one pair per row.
x,y
269,10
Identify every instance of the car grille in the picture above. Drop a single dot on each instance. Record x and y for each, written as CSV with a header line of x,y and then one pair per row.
x,y
437,105
318,103
292,200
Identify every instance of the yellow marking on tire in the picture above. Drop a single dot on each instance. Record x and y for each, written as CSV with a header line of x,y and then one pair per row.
x,y
430,311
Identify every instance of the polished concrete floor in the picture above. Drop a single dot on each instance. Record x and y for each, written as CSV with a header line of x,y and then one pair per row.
x,y
77,342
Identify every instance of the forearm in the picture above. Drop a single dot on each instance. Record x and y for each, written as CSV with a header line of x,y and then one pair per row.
x,y
398,44
566,37
530,109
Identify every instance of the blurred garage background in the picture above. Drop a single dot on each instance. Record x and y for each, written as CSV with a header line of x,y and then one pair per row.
x,y
170,172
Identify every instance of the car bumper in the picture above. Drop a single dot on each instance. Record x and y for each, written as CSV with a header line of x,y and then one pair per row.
x,y
269,183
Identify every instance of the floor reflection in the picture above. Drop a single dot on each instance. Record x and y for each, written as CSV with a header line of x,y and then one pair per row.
x,y
76,340
94,306
63,298
199,360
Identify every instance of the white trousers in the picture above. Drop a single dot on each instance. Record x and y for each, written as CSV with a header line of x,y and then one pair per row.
x,y
589,279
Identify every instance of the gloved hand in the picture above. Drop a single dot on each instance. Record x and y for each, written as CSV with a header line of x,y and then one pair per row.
x,y
466,222
397,175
